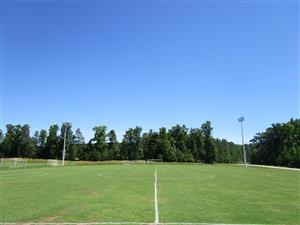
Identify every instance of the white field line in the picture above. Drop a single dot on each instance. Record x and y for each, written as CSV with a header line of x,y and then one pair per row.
x,y
156,221
185,223
89,223
274,167
133,223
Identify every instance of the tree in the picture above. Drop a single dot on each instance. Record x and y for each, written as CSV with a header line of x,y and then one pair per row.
x,y
41,143
165,147
150,145
98,146
52,149
131,147
27,144
79,147
278,145
35,140
180,136
113,146
17,142
195,144
70,154
228,152
1,144
9,142
12,140
1,136
209,145
78,137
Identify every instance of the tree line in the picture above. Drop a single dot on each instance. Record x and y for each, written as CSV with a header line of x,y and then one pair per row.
x,y
178,144
278,145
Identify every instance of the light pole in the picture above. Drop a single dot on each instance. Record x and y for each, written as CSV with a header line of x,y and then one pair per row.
x,y
242,119
66,125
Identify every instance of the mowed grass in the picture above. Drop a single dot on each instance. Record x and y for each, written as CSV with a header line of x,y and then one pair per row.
x,y
228,194
125,193
77,194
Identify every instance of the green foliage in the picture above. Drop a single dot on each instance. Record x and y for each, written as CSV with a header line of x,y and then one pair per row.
x,y
209,143
228,152
66,132
98,146
41,143
278,145
1,146
1,136
184,143
17,141
131,146
79,147
78,137
165,148
51,150
180,136
113,146
150,145
195,143
27,148
11,140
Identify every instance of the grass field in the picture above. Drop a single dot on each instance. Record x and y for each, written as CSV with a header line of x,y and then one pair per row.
x,y
125,193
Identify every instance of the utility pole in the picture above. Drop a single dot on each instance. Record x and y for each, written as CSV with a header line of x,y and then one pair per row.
x,y
66,125
241,120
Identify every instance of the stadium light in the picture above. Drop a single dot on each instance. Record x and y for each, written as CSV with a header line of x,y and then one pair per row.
x,y
66,124
241,120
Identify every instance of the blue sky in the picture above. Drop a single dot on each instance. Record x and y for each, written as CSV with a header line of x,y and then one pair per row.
x,y
151,64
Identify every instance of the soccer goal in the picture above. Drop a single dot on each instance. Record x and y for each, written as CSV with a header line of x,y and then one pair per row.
x,y
152,161
54,162
13,163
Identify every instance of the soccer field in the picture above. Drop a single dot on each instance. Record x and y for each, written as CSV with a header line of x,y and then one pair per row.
x,y
126,193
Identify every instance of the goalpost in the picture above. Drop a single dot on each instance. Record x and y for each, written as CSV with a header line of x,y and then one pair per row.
x,y
152,161
13,162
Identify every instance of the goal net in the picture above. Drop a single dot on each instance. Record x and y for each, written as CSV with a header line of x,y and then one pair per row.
x,y
54,162
152,161
13,163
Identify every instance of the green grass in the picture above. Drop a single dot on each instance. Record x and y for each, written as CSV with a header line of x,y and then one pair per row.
x,y
186,193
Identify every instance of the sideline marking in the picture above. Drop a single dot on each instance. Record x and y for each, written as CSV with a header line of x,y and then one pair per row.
x,y
135,223
271,167
275,167
155,198
91,223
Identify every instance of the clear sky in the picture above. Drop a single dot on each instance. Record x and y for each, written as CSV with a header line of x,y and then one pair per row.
x,y
151,64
